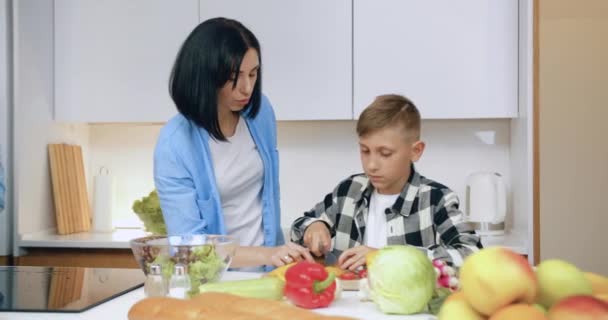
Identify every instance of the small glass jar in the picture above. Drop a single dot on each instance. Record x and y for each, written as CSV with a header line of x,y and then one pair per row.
x,y
179,286
155,284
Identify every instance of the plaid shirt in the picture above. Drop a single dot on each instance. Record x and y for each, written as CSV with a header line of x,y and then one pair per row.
x,y
425,215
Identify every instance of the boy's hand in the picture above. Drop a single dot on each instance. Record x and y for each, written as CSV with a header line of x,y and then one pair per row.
x,y
288,253
353,258
317,238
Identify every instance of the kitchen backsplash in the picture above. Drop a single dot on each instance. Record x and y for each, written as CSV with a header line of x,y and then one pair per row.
x,y
315,156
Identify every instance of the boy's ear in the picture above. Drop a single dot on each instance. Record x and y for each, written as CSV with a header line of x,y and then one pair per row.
x,y
417,150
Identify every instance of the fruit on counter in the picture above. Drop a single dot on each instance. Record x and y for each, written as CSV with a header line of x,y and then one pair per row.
x,y
602,296
558,279
599,284
280,271
457,308
263,288
401,278
540,307
309,285
215,305
495,277
579,308
519,311
352,275
369,258
362,273
348,275
335,270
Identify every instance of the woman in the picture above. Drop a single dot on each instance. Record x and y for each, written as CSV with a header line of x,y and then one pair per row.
x,y
215,163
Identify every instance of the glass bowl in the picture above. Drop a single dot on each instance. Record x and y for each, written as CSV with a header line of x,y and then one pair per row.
x,y
206,257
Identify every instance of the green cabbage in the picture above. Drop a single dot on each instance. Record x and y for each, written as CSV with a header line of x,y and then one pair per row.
x,y
402,280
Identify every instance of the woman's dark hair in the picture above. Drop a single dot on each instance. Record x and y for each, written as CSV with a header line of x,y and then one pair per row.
x,y
210,56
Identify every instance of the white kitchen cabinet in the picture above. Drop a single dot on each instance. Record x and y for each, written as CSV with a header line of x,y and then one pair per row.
x,y
454,59
113,58
306,53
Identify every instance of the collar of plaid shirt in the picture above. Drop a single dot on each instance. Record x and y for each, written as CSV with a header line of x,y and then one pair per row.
x,y
403,204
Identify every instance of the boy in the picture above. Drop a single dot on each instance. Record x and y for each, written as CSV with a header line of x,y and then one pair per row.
x,y
390,203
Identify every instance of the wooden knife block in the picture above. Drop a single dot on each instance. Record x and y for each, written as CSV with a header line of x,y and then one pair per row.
x,y
72,208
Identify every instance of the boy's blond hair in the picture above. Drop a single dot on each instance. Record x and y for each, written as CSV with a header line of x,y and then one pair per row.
x,y
388,110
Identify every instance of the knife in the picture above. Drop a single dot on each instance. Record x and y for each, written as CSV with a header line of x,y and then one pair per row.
x,y
328,259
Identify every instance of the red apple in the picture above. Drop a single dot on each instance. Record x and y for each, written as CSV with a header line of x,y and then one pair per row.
x,y
495,277
519,311
579,308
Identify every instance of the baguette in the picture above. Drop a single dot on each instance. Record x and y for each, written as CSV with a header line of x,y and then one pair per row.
x,y
161,308
219,306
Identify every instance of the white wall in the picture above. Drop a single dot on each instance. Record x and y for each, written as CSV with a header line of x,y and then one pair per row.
x,y
33,125
315,156
573,147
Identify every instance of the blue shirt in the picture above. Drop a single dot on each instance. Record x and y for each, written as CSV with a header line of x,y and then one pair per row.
x,y
185,180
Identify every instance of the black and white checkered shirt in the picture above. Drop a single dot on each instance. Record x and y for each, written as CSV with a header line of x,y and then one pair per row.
x,y
425,215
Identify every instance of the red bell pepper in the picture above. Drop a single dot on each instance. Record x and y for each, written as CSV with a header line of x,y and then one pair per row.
x,y
308,285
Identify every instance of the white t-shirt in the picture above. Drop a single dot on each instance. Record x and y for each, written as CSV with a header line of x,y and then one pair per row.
x,y
376,231
239,174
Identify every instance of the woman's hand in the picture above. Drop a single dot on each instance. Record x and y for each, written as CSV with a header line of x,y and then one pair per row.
x,y
353,258
288,253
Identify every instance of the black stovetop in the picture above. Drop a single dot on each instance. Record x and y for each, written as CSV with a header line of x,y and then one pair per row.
x,y
63,289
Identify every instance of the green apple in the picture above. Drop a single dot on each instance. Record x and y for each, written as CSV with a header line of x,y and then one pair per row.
x,y
558,279
540,307
456,307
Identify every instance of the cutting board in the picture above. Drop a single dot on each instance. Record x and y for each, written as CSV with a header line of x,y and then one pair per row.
x,y
72,208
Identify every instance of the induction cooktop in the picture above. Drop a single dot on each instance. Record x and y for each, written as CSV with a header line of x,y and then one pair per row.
x,y
63,289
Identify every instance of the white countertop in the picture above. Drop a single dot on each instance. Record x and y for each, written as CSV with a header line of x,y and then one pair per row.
x,y
118,308
119,239
512,241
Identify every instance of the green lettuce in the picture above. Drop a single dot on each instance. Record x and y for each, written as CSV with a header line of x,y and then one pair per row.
x,y
149,212
207,267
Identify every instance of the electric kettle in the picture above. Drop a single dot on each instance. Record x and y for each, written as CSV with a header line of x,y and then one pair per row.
x,y
486,202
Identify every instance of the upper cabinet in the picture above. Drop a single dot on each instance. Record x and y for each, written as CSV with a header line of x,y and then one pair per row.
x,y
113,58
306,53
320,59
453,59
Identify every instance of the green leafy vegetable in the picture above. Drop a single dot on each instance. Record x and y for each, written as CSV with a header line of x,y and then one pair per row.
x,y
402,280
206,267
166,265
149,212
438,298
